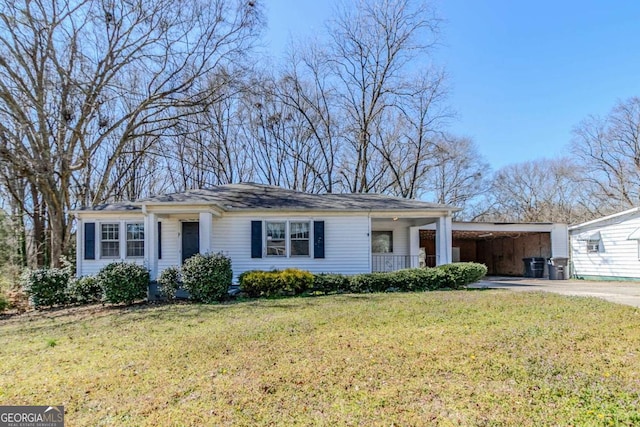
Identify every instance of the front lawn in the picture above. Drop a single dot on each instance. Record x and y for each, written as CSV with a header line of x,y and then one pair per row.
x,y
436,358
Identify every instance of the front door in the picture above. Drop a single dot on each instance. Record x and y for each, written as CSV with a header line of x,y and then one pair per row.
x,y
190,239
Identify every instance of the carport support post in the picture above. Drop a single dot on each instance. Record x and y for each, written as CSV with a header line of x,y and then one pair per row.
x,y
443,240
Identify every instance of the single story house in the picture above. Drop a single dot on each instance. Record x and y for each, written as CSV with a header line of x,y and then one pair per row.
x,y
607,248
262,227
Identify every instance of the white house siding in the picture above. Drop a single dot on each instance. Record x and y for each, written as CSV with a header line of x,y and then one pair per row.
x,y
171,244
347,244
87,267
618,256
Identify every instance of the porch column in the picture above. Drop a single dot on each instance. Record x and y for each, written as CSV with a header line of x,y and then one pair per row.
x,y
206,223
414,247
443,240
151,244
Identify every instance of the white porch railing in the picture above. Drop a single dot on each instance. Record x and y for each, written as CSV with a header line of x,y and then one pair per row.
x,y
393,262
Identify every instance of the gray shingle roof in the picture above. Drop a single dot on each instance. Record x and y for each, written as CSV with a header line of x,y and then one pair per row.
x,y
251,196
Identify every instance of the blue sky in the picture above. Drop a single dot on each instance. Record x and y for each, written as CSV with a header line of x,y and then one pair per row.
x,y
522,74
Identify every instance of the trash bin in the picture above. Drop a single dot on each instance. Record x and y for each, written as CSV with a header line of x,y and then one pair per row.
x,y
533,267
558,268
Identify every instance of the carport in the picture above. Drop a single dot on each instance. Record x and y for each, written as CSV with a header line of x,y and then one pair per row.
x,y
500,246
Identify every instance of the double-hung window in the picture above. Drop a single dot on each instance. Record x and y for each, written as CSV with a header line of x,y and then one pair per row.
x,y
299,236
111,236
288,238
110,240
276,238
135,240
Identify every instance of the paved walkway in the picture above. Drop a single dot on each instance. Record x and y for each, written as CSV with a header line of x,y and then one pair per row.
x,y
619,292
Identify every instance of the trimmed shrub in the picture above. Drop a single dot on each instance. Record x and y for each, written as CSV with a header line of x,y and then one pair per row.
x,y
331,283
291,281
412,279
256,283
84,290
123,282
169,281
46,286
369,282
207,277
461,274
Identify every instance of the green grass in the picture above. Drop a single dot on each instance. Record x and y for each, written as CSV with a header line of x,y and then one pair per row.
x,y
438,358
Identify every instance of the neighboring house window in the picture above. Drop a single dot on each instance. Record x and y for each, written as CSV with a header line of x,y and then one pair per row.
x,y
593,246
276,238
299,235
135,240
381,242
109,240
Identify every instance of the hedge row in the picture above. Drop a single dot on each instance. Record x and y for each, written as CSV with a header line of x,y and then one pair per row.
x,y
118,282
450,276
207,278
293,282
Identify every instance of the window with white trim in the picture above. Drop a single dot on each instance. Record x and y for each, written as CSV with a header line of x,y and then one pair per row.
x,y
110,240
276,235
593,246
299,237
135,240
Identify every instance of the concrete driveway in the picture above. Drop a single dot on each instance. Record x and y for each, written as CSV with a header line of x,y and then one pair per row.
x,y
619,292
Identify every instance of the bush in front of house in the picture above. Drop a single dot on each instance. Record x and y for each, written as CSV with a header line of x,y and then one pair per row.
x,y
411,279
461,274
370,282
207,277
46,287
84,290
329,283
123,282
169,282
256,283
292,281
450,276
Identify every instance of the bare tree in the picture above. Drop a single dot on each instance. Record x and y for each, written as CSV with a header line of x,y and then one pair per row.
x,y
537,191
307,89
373,45
460,175
83,79
409,139
609,150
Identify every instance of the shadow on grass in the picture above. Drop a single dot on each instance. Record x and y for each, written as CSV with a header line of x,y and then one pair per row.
x,y
180,310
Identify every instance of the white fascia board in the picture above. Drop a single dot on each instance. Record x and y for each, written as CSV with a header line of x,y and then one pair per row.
x,y
603,219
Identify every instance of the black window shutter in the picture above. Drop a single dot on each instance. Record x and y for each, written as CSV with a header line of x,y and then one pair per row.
x,y
159,237
318,239
89,240
256,239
